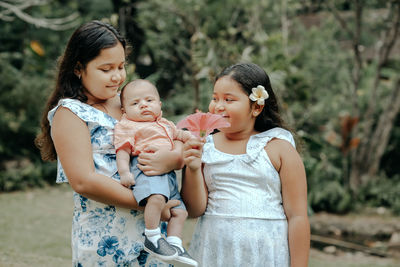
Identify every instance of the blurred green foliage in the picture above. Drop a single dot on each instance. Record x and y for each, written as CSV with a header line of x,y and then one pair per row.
x,y
28,61
181,45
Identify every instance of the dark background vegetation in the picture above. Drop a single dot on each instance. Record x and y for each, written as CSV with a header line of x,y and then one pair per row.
x,y
334,65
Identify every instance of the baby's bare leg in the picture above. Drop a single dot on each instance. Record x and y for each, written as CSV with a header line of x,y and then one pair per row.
x,y
175,224
152,211
154,243
174,231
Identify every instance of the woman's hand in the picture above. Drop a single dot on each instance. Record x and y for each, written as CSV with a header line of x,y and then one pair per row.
x,y
156,161
166,212
192,151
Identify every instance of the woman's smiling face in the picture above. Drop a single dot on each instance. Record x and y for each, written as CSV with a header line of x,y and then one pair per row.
x,y
105,74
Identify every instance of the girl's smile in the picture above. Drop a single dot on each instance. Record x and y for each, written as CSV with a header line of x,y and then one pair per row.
x,y
230,101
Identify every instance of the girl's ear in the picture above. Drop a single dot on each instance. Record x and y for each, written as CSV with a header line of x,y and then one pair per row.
x,y
257,109
77,69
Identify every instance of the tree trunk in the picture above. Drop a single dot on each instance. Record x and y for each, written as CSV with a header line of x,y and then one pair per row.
x,y
381,136
366,158
355,173
374,133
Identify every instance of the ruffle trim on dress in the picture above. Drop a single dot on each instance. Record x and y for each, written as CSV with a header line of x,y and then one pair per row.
x,y
255,146
258,142
84,111
211,155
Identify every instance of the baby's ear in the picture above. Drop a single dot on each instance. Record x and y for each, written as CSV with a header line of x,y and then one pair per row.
x,y
160,104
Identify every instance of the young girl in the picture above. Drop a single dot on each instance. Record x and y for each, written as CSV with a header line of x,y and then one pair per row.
x,y
249,184
77,129
141,128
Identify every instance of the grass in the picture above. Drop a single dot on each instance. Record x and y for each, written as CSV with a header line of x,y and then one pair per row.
x,y
35,229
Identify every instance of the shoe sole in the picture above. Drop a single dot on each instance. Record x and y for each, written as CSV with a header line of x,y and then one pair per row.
x,y
162,257
186,261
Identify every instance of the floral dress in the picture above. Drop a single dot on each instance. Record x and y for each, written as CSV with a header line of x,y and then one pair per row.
x,y
103,235
244,223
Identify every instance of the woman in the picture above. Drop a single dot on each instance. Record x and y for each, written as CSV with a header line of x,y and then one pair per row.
x,y
77,129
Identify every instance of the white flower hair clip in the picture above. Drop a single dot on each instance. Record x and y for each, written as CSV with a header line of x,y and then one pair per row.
x,y
259,94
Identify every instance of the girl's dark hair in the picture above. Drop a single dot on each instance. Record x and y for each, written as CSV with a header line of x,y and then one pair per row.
x,y
85,44
250,75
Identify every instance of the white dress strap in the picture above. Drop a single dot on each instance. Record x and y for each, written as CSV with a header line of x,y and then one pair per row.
x,y
257,142
277,132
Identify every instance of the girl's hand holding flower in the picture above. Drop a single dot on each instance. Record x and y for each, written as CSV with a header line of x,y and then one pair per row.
x,y
200,125
191,153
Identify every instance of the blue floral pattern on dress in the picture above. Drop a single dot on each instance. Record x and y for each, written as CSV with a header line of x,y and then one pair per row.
x,y
83,202
103,235
163,228
118,256
107,245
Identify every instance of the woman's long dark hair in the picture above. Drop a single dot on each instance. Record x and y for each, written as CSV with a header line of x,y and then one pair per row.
x,y
85,44
250,75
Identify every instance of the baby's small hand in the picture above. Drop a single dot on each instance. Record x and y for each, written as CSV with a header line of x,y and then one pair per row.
x,y
191,153
127,179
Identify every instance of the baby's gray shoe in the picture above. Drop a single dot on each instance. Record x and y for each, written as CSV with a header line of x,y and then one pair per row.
x,y
163,251
184,257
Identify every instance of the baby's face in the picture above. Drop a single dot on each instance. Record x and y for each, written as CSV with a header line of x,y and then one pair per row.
x,y
142,102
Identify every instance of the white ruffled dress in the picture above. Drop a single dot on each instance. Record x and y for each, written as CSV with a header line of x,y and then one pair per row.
x,y
244,223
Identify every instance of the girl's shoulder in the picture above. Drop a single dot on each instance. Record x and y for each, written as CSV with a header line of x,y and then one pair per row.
x,y
261,139
281,147
272,141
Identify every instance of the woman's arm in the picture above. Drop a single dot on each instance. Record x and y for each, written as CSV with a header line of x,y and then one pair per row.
x,y
194,190
294,196
161,160
72,142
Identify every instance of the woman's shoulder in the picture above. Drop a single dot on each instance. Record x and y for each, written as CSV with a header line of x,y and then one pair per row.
x,y
73,105
82,110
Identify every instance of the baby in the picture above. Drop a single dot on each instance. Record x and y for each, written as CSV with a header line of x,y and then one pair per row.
x,y
142,125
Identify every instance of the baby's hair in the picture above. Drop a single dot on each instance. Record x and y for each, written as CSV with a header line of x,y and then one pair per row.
x,y
248,76
84,45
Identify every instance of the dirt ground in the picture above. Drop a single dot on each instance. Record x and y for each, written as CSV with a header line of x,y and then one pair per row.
x,y
369,238
349,259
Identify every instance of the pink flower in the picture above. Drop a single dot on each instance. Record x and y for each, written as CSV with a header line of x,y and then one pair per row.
x,y
202,124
